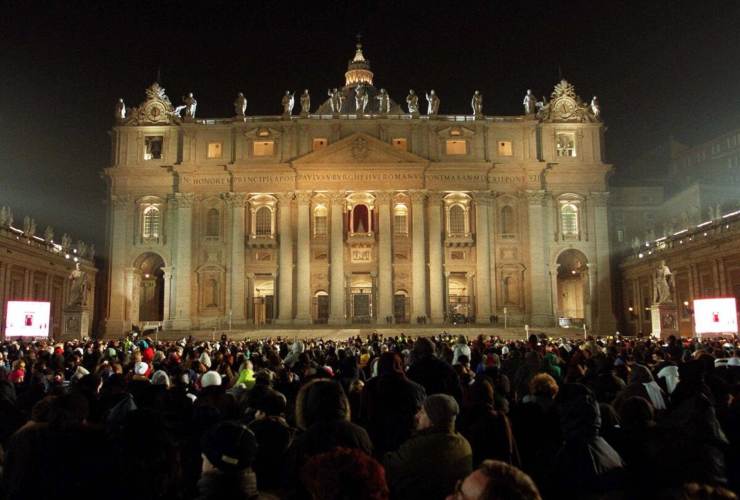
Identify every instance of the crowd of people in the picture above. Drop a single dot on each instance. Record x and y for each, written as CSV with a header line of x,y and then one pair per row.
x,y
370,418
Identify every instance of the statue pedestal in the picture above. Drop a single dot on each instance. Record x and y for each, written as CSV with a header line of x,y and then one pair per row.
x,y
75,323
664,319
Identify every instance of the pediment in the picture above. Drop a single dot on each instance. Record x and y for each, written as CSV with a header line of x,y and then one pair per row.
x,y
359,148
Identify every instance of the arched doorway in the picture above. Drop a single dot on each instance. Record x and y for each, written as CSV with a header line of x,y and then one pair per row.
x,y
458,294
572,288
150,277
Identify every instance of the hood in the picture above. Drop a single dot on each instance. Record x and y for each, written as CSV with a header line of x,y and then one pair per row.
x,y
578,410
641,375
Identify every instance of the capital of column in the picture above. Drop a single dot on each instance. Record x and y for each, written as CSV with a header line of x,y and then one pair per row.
x,y
417,196
234,200
168,271
383,197
303,197
120,200
285,198
337,197
535,196
435,197
482,197
184,200
599,198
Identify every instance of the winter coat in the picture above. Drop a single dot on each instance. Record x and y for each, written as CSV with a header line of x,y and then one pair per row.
x,y
428,465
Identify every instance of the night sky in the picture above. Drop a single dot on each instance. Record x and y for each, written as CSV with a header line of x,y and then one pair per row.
x,y
660,68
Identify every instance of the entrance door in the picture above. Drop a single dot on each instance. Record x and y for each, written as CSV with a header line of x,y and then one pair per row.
x,y
269,308
361,307
399,309
322,309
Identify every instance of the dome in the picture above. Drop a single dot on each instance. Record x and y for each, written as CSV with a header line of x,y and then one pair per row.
x,y
358,69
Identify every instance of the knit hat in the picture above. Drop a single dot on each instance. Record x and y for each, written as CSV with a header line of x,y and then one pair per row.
x,y
140,368
80,372
229,446
210,378
160,377
205,360
441,410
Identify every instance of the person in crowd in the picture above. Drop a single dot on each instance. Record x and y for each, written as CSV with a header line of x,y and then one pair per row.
x,y
429,464
488,431
642,384
434,374
229,450
494,480
390,402
274,437
585,464
344,473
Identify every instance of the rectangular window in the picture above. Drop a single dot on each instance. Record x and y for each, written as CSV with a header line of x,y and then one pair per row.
x,y
399,224
263,148
456,147
319,143
400,143
153,147
215,150
505,148
319,225
565,145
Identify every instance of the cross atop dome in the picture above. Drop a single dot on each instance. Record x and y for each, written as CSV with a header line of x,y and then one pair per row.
x,y
358,69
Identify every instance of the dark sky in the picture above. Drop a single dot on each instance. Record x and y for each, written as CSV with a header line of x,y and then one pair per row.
x,y
659,68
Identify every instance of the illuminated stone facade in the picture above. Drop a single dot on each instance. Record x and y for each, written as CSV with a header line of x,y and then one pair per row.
x,y
341,217
34,266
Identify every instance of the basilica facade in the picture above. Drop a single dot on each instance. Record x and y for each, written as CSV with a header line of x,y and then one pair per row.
x,y
359,211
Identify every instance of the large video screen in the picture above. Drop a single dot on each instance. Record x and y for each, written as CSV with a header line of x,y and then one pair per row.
x,y
27,319
715,315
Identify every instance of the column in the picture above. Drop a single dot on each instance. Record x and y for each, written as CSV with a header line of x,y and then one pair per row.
x,y
183,261
590,312
337,315
236,312
385,259
482,258
554,289
303,274
604,322
418,250
132,294
115,321
541,310
437,289
167,309
285,271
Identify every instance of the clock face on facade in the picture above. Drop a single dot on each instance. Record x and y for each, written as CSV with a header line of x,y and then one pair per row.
x,y
155,113
565,107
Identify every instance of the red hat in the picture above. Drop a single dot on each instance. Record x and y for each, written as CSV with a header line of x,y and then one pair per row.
x,y
147,355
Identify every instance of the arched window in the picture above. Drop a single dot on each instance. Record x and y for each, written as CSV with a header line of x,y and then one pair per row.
x,y
400,219
320,220
151,223
457,220
569,220
263,222
212,222
361,219
508,223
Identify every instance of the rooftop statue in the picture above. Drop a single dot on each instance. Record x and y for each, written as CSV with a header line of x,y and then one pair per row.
x,y
530,103
334,101
6,217
412,101
49,234
384,102
29,226
566,106
120,110
432,103
66,242
477,104
240,105
288,101
361,98
595,107
189,104
305,103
